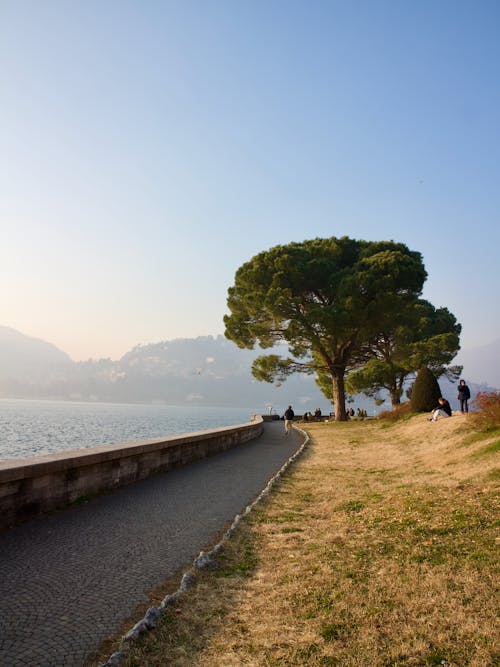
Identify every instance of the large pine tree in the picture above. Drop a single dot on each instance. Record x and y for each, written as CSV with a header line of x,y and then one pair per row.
x,y
327,299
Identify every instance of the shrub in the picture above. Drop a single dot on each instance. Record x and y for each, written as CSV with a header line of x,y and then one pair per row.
x,y
400,412
487,405
425,391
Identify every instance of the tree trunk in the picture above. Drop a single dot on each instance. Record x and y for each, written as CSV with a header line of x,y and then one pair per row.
x,y
395,397
339,396
396,391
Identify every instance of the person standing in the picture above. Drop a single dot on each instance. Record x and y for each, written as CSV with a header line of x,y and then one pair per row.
x,y
463,396
289,416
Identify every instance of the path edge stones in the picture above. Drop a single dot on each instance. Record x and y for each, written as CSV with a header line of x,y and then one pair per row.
x,y
204,560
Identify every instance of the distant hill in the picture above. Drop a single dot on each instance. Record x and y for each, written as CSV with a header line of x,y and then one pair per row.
x,y
200,371
208,370
27,359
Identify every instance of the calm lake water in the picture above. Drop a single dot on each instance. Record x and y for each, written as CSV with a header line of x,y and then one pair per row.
x,y
32,428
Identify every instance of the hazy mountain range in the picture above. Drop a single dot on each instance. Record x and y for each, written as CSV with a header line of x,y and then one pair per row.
x,y
202,371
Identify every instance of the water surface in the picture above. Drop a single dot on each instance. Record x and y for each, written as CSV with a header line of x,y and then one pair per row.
x,y
32,428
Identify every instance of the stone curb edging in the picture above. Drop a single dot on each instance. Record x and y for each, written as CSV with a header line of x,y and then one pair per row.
x,y
204,560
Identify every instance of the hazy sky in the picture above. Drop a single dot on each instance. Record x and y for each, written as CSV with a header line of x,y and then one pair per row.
x,y
149,148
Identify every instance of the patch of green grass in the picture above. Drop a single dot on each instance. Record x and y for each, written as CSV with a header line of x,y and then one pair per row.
x,y
305,652
491,430
400,661
242,565
356,576
494,475
440,529
351,506
436,657
329,661
459,518
218,612
289,517
314,603
491,448
334,631
434,555
479,557
292,529
481,434
363,555
322,602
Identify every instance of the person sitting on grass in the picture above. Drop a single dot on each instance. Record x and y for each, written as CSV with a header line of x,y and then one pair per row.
x,y
443,410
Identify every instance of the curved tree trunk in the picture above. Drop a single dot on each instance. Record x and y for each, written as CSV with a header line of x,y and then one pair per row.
x,y
338,390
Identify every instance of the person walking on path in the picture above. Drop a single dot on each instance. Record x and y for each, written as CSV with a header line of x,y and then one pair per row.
x,y
443,410
463,396
289,416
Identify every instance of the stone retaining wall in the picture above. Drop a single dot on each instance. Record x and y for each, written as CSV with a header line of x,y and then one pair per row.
x,y
42,483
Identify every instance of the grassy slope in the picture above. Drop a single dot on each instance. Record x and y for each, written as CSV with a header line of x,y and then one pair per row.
x,y
377,549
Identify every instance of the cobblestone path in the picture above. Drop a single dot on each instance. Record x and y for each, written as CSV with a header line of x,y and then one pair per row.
x,y
69,580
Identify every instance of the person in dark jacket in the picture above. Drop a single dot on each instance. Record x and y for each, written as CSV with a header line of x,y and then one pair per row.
x,y
463,396
443,410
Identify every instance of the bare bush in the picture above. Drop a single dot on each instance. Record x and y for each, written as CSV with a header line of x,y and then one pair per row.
x,y
400,412
487,405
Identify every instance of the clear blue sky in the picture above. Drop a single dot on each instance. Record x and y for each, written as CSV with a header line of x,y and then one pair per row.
x,y
147,149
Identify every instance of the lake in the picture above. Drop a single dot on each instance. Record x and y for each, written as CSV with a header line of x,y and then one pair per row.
x,y
31,428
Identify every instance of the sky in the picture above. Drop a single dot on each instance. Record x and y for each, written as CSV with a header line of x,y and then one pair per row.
x,y
149,148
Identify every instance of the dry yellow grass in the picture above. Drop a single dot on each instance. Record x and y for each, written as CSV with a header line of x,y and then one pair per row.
x,y
378,549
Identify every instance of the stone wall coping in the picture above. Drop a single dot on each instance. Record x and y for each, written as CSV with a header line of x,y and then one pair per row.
x,y
16,469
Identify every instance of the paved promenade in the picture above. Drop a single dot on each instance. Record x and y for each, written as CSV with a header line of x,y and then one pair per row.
x,y
69,580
